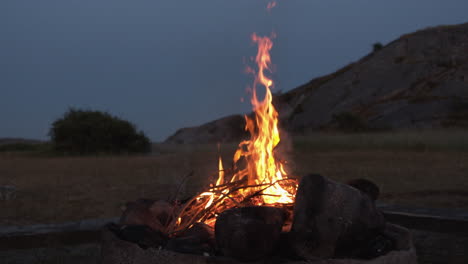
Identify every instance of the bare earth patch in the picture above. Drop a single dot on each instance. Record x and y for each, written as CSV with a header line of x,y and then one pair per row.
x,y
57,189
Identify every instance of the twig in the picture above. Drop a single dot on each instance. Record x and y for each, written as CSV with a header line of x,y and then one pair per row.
x,y
190,174
191,211
174,198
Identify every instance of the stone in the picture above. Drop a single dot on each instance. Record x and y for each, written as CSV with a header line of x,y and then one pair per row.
x,y
249,233
366,186
141,235
155,214
117,251
7,192
332,219
199,240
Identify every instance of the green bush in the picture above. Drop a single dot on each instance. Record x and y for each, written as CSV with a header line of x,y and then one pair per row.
x,y
377,46
93,132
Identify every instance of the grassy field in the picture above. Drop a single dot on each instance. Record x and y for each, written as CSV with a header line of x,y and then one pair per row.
x,y
428,169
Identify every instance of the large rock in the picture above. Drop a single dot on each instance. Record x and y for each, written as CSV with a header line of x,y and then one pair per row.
x,y
333,219
199,239
366,186
249,233
154,214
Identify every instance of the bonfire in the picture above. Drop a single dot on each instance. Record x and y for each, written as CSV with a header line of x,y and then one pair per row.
x,y
255,211
262,180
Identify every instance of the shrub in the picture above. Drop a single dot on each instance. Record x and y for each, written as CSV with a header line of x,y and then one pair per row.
x,y
377,46
94,132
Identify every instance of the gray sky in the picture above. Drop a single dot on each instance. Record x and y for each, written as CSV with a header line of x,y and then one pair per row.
x,y
166,64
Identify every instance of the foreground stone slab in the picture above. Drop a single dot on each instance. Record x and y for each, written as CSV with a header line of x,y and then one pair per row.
x,y
116,251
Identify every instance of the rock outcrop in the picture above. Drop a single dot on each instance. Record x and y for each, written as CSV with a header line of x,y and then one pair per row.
x,y
417,81
226,129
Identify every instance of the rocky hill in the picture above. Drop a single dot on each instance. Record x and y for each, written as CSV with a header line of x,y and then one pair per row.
x,y
419,80
225,129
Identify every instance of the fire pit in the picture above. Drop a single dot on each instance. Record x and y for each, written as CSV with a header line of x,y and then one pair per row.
x,y
331,223
256,212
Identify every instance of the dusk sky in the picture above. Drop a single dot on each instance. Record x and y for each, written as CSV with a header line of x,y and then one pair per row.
x,y
167,64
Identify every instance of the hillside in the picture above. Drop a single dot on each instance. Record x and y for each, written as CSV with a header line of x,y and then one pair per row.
x,y
419,80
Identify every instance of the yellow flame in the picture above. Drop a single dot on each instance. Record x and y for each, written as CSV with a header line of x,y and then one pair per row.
x,y
262,170
219,181
220,171
262,166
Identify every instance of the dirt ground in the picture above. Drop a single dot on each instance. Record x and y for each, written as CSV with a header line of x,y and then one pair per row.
x,y
58,189
86,253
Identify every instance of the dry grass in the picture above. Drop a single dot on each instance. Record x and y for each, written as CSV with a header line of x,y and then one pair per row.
x,y
54,189
426,179
420,141
64,189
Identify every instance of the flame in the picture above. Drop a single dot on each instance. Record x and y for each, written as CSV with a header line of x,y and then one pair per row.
x,y
219,181
262,166
260,180
270,6
221,172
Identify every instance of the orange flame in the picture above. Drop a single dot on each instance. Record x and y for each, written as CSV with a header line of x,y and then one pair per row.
x,y
262,167
270,6
262,176
219,181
